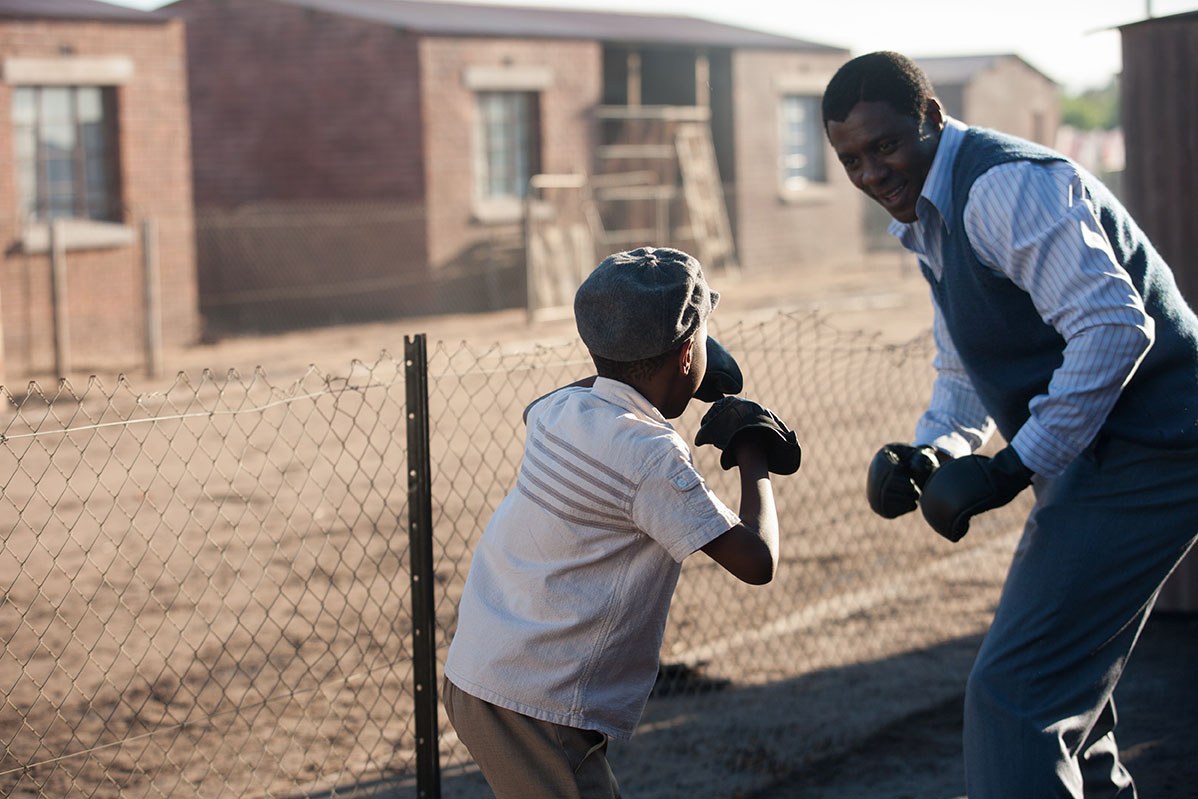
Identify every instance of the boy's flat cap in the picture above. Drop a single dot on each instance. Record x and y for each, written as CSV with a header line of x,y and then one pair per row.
x,y
641,303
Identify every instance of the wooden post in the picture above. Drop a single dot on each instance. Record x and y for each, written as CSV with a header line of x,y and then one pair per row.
x,y
58,300
153,297
634,80
702,81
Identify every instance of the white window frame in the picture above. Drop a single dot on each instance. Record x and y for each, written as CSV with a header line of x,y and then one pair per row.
x,y
507,107
808,89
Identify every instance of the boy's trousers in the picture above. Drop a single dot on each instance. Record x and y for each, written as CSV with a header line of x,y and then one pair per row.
x,y
522,757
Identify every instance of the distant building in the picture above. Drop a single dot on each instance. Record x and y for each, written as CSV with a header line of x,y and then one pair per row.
x,y
1002,92
1160,119
94,136
373,157
1101,152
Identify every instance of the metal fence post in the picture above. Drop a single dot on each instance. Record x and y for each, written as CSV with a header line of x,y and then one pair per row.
x,y
420,532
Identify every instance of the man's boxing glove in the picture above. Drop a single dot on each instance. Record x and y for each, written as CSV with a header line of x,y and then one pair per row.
x,y
897,473
962,488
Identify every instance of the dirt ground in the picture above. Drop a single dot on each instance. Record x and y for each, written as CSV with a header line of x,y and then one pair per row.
x,y
920,755
917,756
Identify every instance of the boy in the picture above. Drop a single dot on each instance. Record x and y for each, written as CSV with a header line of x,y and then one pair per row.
x,y
562,616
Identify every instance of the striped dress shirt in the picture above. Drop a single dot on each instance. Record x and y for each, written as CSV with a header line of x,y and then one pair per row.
x,y
1033,223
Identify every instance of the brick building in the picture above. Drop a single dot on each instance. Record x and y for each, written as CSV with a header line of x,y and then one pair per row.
x,y
94,141
1002,91
374,157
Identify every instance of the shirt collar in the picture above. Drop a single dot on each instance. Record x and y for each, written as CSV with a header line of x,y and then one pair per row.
x,y
626,397
937,193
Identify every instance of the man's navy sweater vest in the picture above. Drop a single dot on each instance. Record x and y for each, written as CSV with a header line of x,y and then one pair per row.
x,y
1010,353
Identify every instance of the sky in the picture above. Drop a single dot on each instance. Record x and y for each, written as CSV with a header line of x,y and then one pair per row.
x,y
1074,42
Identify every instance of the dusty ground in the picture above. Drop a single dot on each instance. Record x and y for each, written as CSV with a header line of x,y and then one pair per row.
x,y
918,756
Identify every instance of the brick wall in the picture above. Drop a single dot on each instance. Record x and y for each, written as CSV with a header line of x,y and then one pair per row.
x,y
105,286
291,104
1015,99
774,230
459,240
302,113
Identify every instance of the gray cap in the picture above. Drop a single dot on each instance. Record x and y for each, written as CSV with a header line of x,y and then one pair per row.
x,y
642,303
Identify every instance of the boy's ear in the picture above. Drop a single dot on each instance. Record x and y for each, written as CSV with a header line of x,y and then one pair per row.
x,y
686,356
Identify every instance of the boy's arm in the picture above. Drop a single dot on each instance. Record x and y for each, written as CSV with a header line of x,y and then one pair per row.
x,y
585,382
749,551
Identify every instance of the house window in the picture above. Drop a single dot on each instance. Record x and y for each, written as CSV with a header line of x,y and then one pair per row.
x,y
802,143
507,143
65,152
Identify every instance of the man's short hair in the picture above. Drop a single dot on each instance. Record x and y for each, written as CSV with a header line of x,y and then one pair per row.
x,y
885,77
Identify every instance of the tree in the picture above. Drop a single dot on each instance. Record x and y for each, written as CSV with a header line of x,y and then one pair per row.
x,y
1092,109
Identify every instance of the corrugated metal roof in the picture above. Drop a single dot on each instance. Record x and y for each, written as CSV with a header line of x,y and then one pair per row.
x,y
1184,16
461,19
959,69
75,9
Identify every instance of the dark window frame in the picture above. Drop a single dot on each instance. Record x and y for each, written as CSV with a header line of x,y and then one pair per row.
x,y
507,147
92,189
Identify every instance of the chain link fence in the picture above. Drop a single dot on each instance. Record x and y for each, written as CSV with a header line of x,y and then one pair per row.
x,y
206,588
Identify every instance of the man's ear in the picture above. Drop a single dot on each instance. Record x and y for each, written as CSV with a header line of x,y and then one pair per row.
x,y
934,113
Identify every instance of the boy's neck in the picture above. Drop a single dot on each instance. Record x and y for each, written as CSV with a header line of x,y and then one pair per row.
x,y
662,390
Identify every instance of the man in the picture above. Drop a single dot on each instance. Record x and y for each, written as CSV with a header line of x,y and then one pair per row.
x,y
1058,323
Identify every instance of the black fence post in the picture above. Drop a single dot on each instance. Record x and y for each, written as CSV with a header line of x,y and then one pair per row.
x,y
420,532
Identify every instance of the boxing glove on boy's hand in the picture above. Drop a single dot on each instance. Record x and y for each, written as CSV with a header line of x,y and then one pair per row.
x,y
896,476
965,487
731,417
723,374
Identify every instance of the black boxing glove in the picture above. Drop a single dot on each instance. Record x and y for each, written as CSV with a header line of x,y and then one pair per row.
x,y
965,487
731,417
897,474
723,375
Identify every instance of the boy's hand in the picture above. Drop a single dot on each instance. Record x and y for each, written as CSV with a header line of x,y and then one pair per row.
x,y
733,417
723,374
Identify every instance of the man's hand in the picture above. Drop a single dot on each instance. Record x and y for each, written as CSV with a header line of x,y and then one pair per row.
x,y
965,487
896,476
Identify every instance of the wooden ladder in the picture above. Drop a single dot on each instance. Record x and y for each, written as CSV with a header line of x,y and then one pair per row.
x,y
704,196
